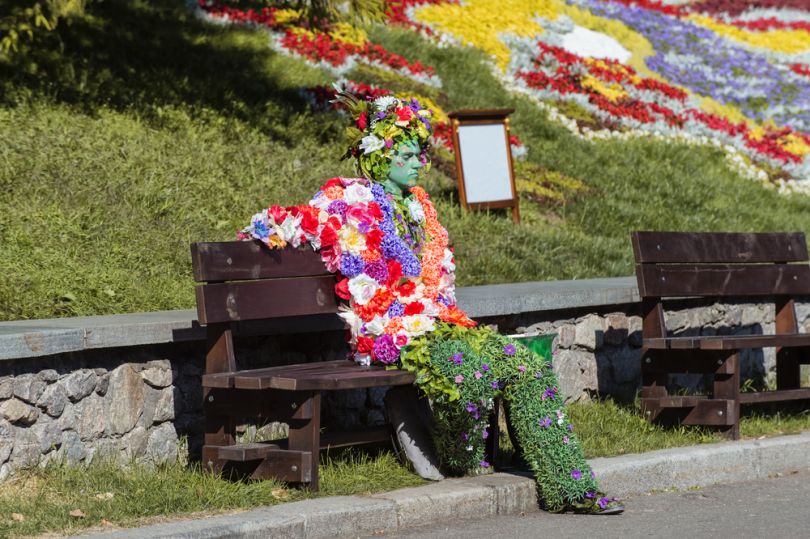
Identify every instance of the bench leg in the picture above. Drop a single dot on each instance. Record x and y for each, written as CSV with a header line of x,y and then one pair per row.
x,y
220,430
727,386
653,385
306,436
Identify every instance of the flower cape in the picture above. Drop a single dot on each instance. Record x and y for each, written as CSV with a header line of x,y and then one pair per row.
x,y
396,289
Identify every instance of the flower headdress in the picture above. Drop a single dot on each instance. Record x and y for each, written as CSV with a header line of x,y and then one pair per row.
x,y
380,126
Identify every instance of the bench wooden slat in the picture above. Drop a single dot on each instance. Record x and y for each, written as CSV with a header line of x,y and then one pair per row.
x,y
681,280
256,300
732,247
329,380
776,395
729,342
244,260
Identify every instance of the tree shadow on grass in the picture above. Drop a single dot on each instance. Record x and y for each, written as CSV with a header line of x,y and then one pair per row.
x,y
143,57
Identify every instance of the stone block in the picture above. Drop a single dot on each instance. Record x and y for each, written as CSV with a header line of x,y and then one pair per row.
x,y
72,450
164,407
126,396
25,453
634,327
6,440
617,328
102,383
53,400
162,444
91,413
16,411
48,375
48,433
28,387
576,373
567,335
158,376
79,384
133,443
6,388
590,332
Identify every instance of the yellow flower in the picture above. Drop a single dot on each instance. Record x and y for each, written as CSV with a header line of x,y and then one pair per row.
x,y
610,90
349,34
479,22
787,41
287,16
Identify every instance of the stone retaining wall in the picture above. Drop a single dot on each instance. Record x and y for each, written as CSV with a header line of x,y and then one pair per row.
x,y
139,402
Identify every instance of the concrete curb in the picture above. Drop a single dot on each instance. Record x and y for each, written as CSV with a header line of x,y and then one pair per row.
x,y
488,495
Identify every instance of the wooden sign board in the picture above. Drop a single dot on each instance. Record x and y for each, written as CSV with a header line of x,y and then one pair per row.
x,y
486,178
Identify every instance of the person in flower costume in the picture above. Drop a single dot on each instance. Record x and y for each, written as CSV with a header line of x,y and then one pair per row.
x,y
381,236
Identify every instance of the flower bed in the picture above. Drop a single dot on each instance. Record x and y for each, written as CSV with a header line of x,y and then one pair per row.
x,y
734,76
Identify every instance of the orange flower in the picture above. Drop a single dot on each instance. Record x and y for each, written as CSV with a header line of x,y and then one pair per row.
x,y
454,315
376,306
333,192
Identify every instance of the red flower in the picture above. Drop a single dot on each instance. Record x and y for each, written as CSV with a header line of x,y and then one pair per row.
x,y
332,183
404,114
365,345
309,223
277,213
342,288
328,236
394,273
361,121
406,289
373,239
414,308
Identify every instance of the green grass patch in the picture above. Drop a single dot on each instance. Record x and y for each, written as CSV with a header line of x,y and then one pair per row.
x,y
103,495
134,130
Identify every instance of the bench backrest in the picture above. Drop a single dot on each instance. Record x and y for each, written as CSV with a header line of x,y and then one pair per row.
x,y
689,264
244,280
247,281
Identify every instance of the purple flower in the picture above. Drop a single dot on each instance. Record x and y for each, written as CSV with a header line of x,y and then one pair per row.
x,y
603,502
590,494
338,207
549,393
545,422
471,407
509,350
484,367
593,475
465,436
485,434
484,464
570,427
494,384
377,271
457,358
380,115
351,265
385,351
522,368
396,309
576,474
538,375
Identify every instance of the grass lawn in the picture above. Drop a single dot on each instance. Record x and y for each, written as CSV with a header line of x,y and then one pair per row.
x,y
135,130
103,495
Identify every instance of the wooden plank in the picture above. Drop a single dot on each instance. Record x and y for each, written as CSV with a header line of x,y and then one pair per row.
x,y
734,342
305,436
268,404
702,247
775,396
681,280
326,376
254,300
246,260
687,361
246,452
715,412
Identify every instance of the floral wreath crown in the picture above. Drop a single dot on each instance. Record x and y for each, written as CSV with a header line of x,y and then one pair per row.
x,y
380,126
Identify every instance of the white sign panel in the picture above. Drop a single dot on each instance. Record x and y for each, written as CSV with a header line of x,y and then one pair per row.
x,y
485,163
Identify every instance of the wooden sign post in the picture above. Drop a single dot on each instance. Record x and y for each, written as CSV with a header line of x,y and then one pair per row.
x,y
486,178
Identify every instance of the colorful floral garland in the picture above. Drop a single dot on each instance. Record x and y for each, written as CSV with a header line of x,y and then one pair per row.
x,y
393,297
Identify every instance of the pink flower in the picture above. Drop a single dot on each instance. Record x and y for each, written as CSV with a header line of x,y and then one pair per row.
x,y
477,375
459,378
522,368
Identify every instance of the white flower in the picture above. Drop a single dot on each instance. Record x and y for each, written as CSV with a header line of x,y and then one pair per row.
x,y
415,209
353,321
430,308
371,143
447,262
357,192
382,103
377,325
351,240
417,324
362,288
289,230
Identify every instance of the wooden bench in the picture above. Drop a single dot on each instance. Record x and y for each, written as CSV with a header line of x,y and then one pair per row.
x,y
681,264
244,281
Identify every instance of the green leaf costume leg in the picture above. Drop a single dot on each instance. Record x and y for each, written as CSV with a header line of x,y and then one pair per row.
x,y
463,370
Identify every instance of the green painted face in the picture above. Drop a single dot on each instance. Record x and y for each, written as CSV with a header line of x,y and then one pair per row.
x,y
405,165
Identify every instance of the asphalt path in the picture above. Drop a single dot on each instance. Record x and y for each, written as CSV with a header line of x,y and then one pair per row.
x,y
773,508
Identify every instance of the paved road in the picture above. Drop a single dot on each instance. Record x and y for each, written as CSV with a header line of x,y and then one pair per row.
x,y
774,508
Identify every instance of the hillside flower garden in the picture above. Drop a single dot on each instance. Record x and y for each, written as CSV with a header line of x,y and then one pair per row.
x,y
733,74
